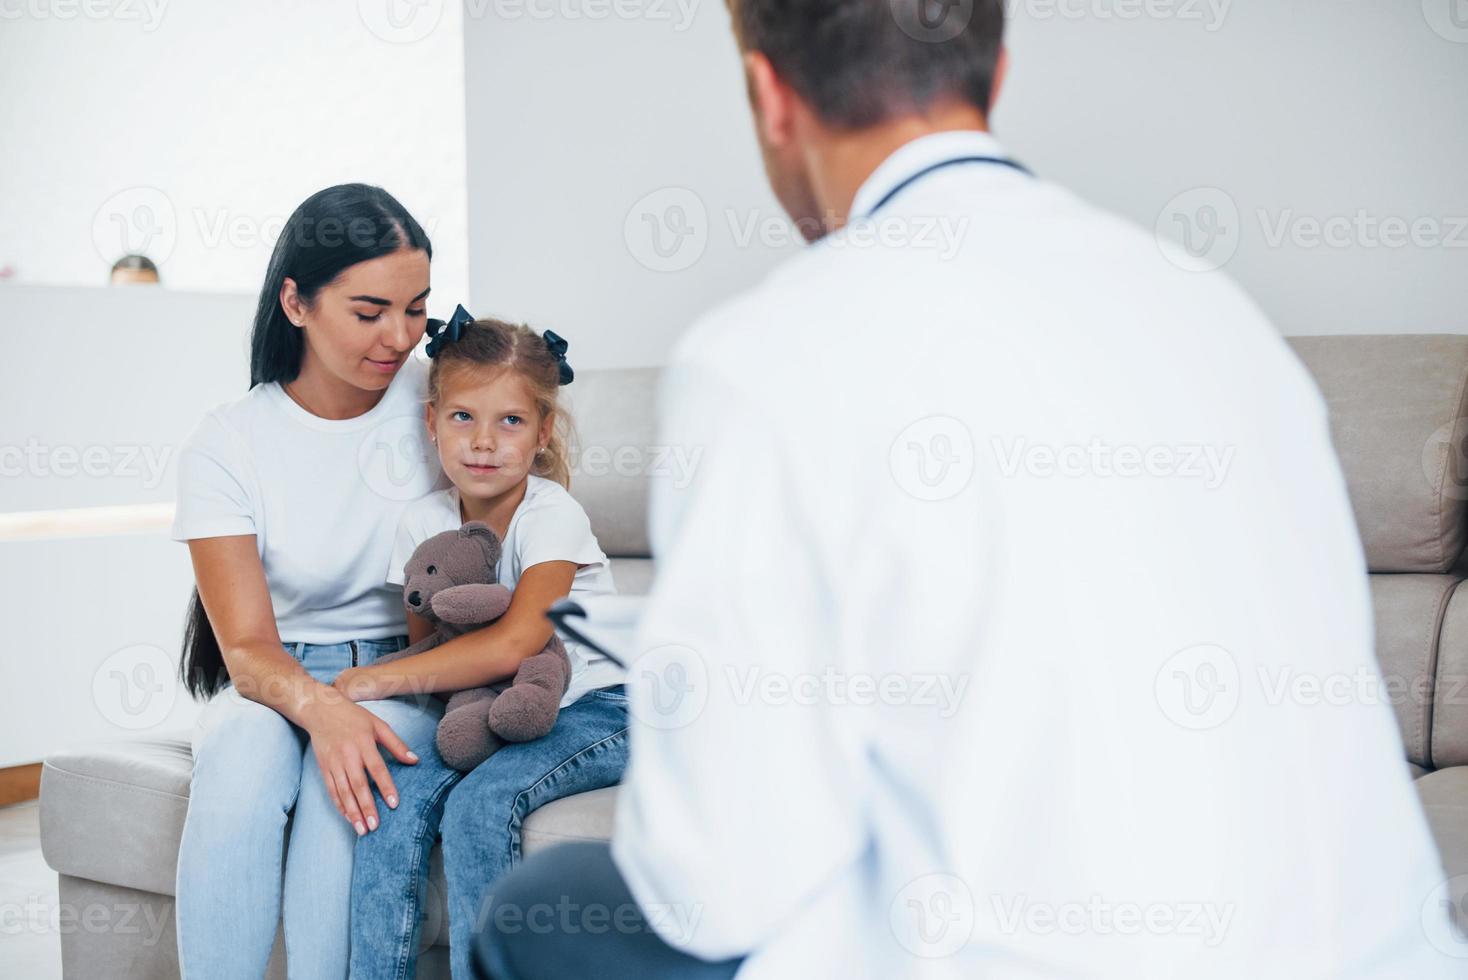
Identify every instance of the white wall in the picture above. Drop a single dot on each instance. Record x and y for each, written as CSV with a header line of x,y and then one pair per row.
x,y
1289,111
581,130
1303,110
190,129
101,389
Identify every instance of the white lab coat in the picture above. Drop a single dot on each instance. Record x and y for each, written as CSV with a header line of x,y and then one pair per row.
x,y
963,656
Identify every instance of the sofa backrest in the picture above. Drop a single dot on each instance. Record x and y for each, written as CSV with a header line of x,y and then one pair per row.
x,y
613,452
1399,421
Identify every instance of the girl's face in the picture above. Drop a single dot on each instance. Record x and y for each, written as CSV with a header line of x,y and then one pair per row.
x,y
488,430
362,326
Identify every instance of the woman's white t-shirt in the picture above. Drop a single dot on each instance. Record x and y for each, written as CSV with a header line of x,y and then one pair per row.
x,y
549,525
323,498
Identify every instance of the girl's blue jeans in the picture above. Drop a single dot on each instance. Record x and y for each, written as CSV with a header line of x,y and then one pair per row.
x,y
479,816
252,770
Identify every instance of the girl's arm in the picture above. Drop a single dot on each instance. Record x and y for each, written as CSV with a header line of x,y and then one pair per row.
x,y
344,736
475,659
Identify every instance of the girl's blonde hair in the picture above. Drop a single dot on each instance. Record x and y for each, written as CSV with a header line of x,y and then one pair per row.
x,y
492,346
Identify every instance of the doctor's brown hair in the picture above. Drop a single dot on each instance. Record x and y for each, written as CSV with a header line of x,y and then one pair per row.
x,y
489,347
862,62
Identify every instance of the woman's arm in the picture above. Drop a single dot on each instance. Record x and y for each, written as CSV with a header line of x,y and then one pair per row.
x,y
475,659
344,736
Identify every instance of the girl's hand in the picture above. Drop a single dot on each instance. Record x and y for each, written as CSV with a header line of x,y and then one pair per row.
x,y
345,737
355,684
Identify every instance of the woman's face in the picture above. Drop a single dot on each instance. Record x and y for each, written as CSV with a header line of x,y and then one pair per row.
x,y
488,430
361,327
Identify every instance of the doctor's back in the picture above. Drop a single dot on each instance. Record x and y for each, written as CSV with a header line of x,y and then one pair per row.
x,y
1037,533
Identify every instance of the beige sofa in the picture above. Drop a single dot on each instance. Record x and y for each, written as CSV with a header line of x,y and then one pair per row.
x,y
111,814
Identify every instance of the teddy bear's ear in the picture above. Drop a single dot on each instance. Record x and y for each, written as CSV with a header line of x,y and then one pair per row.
x,y
488,540
477,528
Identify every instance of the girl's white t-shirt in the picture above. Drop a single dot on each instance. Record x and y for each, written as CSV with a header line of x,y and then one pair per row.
x,y
549,525
323,498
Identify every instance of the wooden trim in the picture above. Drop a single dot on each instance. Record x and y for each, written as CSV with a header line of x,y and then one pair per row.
x,y
20,783
85,522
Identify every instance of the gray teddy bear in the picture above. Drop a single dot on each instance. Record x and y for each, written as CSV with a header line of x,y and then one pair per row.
x,y
451,581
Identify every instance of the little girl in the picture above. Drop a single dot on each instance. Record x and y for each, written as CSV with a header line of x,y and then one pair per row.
x,y
493,415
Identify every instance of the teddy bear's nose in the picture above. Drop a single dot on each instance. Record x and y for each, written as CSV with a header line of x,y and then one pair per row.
x,y
414,598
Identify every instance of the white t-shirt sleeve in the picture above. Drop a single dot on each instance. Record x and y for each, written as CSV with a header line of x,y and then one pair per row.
x,y
557,530
213,499
404,543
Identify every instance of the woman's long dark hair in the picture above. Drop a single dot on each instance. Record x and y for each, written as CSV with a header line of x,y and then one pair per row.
x,y
331,231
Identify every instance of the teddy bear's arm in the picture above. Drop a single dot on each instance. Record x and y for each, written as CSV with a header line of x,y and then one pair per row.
x,y
466,605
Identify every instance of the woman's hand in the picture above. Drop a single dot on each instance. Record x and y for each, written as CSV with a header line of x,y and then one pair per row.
x,y
345,737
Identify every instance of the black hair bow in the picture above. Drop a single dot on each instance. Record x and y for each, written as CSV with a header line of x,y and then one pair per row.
x,y
558,347
447,333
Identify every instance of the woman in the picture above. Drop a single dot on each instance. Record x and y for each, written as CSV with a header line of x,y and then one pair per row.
x,y
288,499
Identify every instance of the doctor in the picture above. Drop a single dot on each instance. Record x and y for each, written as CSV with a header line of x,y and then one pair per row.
x,y
954,662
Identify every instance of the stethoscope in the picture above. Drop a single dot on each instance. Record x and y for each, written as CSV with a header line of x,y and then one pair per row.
x,y
943,165
565,610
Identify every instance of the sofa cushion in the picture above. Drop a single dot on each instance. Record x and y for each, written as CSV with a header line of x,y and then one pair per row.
x,y
614,452
633,576
113,812
1444,796
1397,416
1409,613
1450,697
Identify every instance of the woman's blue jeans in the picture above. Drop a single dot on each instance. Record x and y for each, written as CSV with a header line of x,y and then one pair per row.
x,y
479,816
253,769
